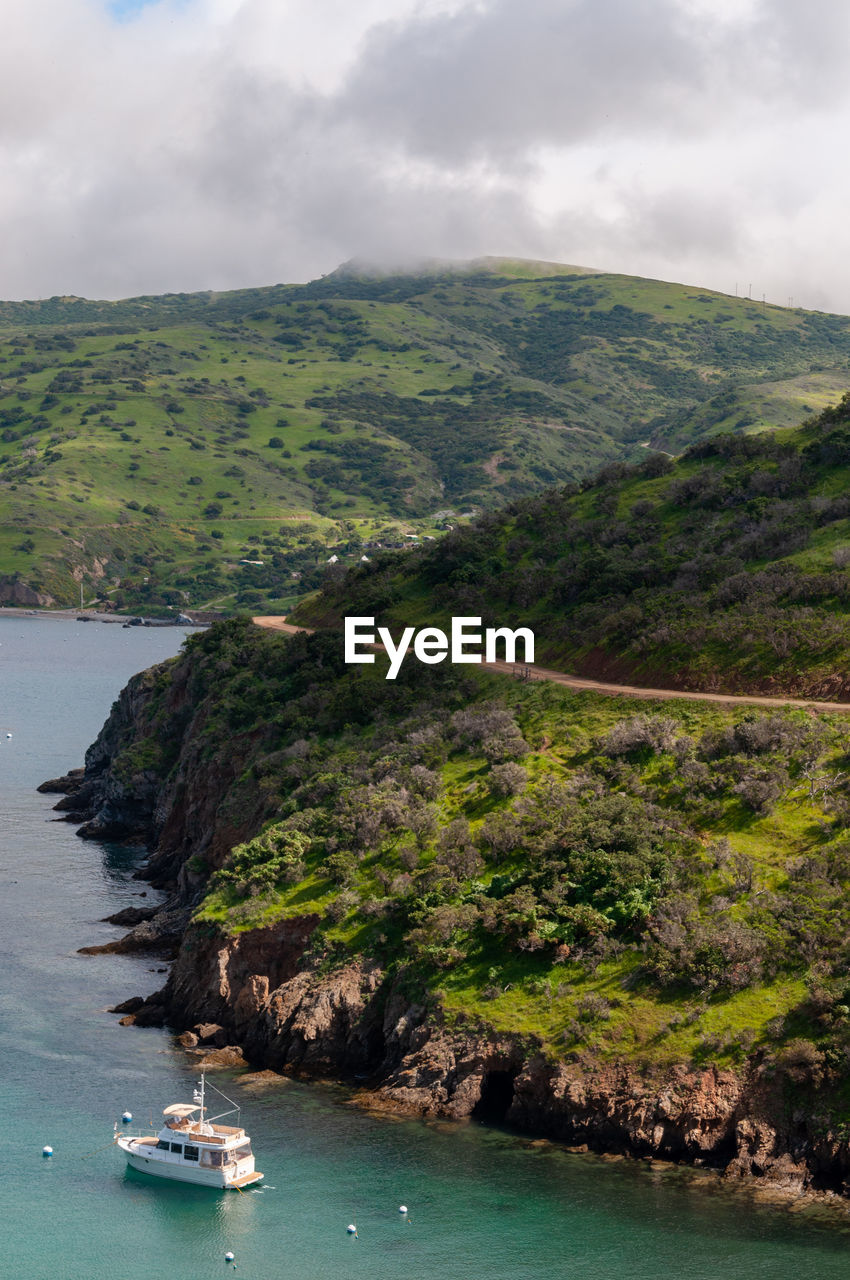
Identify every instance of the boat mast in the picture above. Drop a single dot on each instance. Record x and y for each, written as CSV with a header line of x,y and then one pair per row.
x,y
199,1097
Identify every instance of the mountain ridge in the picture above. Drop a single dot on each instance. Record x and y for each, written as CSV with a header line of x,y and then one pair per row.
x,y
156,449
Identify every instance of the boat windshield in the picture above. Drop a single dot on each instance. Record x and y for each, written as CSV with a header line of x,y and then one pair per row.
x,y
243,1150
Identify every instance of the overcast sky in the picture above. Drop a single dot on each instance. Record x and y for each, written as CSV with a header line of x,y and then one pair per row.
x,y
189,144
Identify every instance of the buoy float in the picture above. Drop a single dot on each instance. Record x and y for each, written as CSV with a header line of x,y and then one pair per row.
x,y
402,1208
47,1151
228,1257
351,1229
8,735
127,1117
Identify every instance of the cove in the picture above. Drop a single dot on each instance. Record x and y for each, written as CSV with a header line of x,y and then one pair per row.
x,y
482,1202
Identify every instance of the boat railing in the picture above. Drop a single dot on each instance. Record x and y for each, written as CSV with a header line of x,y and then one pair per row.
x,y
221,1133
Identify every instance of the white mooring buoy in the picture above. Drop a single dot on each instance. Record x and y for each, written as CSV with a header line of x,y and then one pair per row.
x,y
127,1117
351,1229
47,1151
228,1257
402,1208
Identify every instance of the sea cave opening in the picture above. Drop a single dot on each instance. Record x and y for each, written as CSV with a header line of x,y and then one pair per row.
x,y
497,1094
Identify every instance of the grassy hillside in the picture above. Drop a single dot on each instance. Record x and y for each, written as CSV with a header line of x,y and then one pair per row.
x,y
726,570
151,447
656,884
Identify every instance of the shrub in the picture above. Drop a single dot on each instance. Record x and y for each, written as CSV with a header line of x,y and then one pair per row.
x,y
425,782
507,779
801,1060
341,867
655,733
722,953
339,908
760,790
593,1008
276,855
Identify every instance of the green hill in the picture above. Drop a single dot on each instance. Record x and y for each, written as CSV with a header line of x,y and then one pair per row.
x,y
550,885
151,447
576,867
726,570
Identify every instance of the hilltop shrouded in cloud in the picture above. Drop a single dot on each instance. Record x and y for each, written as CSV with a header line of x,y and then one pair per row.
x,y
186,144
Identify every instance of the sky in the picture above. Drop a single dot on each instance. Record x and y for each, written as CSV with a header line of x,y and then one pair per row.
x,y
149,146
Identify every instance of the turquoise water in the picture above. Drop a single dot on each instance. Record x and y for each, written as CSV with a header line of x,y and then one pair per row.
x,y
482,1203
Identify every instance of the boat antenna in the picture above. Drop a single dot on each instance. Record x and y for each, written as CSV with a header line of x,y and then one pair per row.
x,y
234,1105
199,1096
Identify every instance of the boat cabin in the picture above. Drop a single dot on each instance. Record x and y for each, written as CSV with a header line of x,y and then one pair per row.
x,y
211,1146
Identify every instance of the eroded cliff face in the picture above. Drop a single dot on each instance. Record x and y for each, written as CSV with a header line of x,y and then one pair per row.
x,y
153,776
14,591
262,993
156,775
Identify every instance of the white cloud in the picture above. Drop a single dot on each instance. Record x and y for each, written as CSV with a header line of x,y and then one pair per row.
x,y
217,143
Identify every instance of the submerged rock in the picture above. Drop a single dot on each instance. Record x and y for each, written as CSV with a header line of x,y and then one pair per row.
x,y
230,1056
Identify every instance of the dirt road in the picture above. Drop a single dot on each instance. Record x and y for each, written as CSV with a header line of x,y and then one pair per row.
x,y
623,690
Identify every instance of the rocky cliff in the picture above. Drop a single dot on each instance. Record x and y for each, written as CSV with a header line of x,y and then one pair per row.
x,y
163,772
13,590
151,777
262,993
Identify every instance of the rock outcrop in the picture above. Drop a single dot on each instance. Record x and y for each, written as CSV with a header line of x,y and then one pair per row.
x,y
182,802
13,590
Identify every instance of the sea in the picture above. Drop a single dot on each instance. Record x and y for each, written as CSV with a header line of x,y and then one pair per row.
x,y
482,1202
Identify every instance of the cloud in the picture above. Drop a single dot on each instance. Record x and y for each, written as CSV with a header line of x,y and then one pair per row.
x,y
497,79
219,143
494,81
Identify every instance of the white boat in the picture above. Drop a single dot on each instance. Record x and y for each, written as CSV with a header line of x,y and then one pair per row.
x,y
191,1148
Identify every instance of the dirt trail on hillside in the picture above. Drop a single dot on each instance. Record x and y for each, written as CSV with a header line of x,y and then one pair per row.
x,y
521,671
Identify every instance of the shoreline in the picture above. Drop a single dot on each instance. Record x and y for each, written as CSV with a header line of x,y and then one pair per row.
x,y
93,615
610,1115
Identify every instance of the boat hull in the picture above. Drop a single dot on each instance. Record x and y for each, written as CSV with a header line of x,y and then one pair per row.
x,y
173,1172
